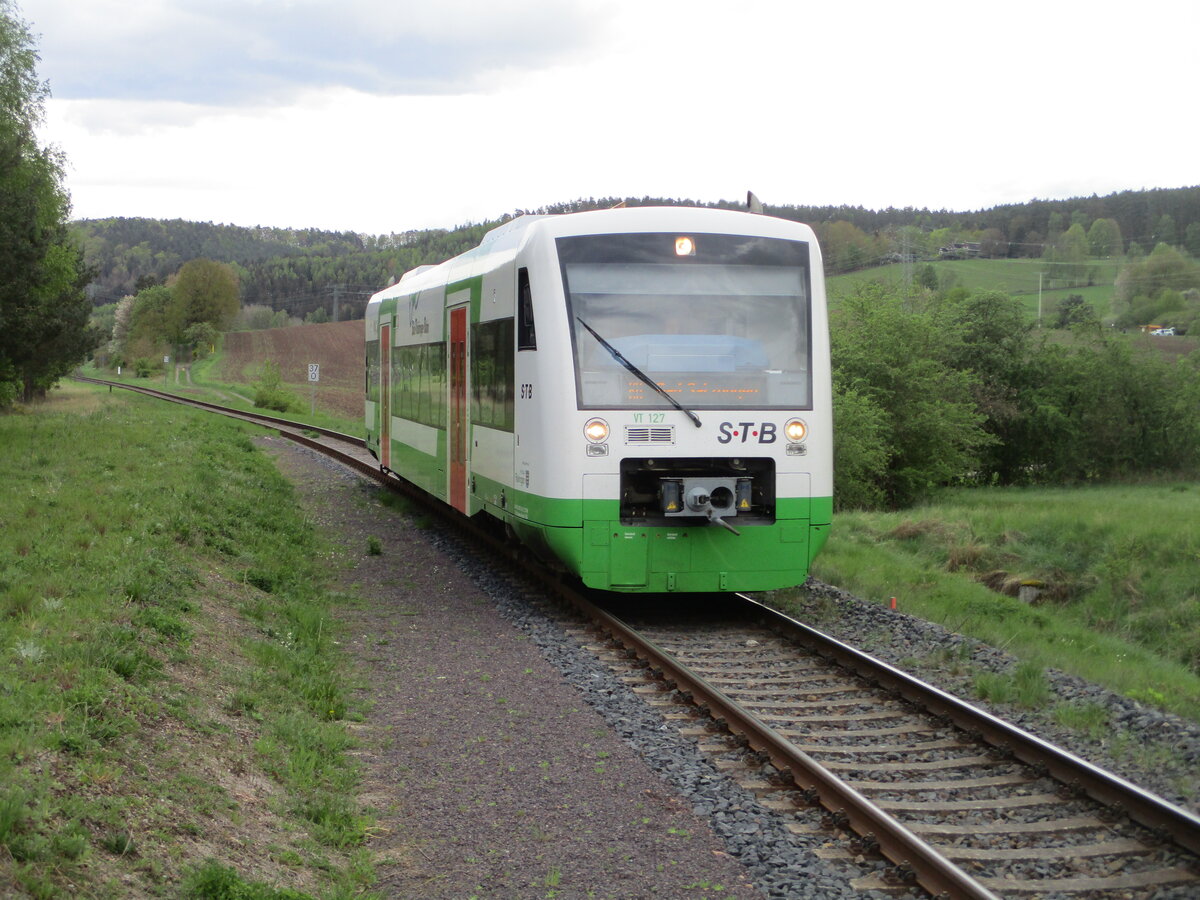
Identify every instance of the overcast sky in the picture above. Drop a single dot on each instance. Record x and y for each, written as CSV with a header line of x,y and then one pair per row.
x,y
381,116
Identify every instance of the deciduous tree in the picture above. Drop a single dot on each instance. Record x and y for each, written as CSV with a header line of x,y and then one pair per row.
x,y
892,362
1104,238
206,291
1068,256
43,309
1165,267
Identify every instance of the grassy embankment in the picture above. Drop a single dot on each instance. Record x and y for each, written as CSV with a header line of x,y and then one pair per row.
x,y
1117,567
170,690
1018,277
205,385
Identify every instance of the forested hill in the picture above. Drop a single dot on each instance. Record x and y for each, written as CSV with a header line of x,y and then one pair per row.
x,y
299,270
293,269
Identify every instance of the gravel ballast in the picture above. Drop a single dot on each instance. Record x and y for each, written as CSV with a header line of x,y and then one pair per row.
x,y
1155,750
503,760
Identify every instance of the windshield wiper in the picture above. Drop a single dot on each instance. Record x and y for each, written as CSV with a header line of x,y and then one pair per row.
x,y
616,354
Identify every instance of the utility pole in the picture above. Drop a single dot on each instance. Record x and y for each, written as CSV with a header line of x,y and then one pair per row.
x,y
1040,299
337,294
906,259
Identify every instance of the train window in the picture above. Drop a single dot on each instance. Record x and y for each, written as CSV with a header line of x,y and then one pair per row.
x,y
419,383
526,334
727,327
492,374
372,387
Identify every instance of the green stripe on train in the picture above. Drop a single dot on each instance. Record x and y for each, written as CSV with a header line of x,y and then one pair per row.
x,y
588,537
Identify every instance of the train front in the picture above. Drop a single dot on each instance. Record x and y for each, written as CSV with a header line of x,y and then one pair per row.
x,y
699,445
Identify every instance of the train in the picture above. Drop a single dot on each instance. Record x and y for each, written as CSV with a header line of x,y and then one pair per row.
x,y
640,396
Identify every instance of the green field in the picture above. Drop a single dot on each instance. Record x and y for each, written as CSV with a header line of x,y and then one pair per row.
x,y
202,385
1117,570
170,689
1018,277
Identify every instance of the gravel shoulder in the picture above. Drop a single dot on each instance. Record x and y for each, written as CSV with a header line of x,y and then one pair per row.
x,y
501,760
488,773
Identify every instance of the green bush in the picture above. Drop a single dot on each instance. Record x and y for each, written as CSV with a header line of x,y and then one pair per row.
x,y
956,388
269,392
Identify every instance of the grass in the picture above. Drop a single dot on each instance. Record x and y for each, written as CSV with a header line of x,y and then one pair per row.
x,y
1018,277
206,387
1117,569
169,682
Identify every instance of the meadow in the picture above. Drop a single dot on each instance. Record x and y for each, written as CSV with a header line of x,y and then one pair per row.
x,y
209,380
1016,277
173,706
1112,572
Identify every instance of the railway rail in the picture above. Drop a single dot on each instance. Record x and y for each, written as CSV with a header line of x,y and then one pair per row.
x,y
962,803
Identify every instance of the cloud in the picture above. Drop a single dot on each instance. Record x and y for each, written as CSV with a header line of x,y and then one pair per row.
x,y
252,52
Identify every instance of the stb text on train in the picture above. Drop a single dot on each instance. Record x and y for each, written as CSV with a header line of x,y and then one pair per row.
x,y
640,395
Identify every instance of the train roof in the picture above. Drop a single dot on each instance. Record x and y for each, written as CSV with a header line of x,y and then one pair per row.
x,y
504,240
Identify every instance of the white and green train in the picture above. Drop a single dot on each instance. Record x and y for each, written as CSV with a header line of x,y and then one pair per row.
x,y
640,395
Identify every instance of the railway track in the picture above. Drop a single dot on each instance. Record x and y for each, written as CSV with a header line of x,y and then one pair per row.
x,y
961,803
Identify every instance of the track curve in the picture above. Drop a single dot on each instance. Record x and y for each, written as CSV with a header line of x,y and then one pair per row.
x,y
963,803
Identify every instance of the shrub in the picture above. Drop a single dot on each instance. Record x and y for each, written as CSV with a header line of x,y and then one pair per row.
x,y
269,392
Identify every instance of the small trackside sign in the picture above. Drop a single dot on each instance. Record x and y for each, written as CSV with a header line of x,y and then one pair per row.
x,y
314,371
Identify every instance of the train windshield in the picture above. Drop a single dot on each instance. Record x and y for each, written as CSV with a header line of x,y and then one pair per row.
x,y
717,321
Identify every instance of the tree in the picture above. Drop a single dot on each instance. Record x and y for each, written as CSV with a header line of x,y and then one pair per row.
x,y
891,367
927,277
1191,239
1165,267
1104,238
993,244
206,291
1068,254
155,322
860,448
201,338
1075,311
44,329
846,247
1164,230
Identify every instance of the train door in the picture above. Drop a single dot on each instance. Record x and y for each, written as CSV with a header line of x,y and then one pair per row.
x,y
385,395
458,407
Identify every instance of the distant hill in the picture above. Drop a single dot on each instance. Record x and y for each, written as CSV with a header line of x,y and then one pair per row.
x,y
294,269
302,269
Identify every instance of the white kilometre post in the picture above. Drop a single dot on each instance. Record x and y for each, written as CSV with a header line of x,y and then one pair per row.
x,y
314,375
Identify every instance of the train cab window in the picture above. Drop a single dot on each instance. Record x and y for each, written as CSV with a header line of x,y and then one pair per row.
x,y
726,325
526,334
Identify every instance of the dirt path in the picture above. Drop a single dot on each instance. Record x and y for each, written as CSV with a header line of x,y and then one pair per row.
x,y
487,773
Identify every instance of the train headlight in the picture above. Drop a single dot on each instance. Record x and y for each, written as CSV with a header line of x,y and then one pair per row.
x,y
685,246
596,431
795,430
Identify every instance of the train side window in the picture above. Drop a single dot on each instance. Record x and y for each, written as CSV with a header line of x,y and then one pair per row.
x,y
492,374
372,385
526,334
